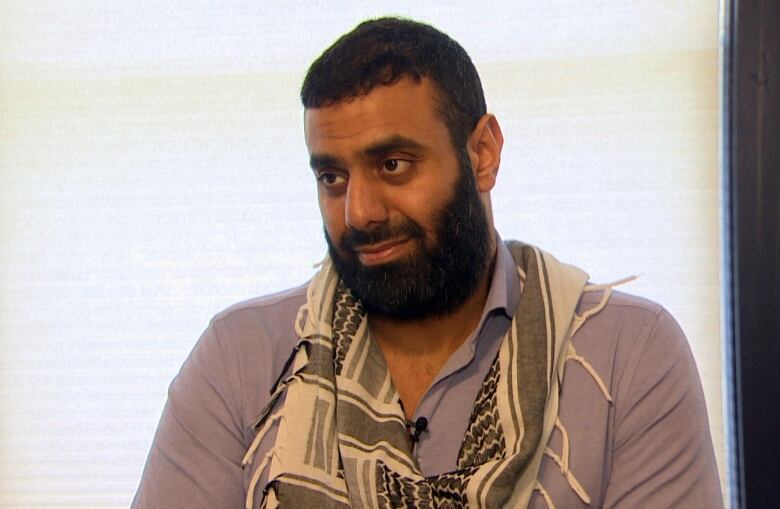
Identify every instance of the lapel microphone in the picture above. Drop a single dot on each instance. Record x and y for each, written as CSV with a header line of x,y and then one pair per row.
x,y
416,428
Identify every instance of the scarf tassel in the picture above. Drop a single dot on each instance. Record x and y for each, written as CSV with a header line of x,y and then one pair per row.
x,y
546,496
258,473
571,355
265,421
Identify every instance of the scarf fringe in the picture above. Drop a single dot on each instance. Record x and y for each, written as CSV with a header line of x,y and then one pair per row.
x,y
546,496
571,355
563,463
266,420
258,473
607,289
248,457
280,386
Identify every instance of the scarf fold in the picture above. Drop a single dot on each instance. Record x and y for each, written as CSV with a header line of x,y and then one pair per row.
x,y
341,439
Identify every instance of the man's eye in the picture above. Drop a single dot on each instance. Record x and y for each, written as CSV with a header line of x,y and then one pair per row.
x,y
394,165
330,179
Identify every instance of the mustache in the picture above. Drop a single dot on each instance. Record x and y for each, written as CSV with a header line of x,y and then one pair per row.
x,y
353,238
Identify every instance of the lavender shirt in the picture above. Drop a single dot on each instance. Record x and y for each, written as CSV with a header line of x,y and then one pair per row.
x,y
650,448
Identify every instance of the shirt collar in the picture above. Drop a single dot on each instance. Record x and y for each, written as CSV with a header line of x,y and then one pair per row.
x,y
507,273
497,314
504,293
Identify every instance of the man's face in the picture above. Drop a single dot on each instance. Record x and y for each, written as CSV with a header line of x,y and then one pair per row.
x,y
404,223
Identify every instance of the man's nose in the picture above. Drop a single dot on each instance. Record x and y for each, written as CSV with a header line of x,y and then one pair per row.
x,y
364,206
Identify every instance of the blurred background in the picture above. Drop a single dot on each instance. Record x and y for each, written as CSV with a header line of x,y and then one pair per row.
x,y
153,172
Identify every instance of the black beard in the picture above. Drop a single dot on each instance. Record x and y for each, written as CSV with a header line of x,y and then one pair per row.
x,y
439,274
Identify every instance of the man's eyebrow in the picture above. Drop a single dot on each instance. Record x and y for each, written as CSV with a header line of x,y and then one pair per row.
x,y
317,161
391,144
377,149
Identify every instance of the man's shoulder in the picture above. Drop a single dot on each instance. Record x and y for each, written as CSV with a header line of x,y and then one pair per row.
x,y
259,330
272,303
623,316
247,344
634,385
620,302
628,330
273,313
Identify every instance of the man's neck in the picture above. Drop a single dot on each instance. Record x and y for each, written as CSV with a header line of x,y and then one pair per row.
x,y
416,350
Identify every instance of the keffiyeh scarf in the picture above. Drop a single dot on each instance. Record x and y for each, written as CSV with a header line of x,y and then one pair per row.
x,y
341,439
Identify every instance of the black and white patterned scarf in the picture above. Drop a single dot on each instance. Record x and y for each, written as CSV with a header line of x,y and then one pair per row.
x,y
341,439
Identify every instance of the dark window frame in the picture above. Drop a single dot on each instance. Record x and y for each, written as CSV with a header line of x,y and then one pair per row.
x,y
751,200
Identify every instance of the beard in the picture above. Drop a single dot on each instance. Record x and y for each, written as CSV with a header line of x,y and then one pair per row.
x,y
439,274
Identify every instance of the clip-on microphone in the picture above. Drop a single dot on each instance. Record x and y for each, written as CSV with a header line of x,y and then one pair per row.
x,y
420,425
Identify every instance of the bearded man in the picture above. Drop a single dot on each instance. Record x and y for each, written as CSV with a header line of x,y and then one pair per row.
x,y
428,363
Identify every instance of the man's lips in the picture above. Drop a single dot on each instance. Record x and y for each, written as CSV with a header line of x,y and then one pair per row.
x,y
373,254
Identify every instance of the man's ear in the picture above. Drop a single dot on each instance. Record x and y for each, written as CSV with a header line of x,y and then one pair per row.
x,y
484,149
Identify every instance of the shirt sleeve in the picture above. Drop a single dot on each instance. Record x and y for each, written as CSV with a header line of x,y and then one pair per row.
x,y
195,458
662,450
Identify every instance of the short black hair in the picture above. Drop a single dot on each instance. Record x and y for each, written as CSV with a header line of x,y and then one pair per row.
x,y
382,51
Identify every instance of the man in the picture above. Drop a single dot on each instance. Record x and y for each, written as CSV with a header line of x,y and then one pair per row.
x,y
428,364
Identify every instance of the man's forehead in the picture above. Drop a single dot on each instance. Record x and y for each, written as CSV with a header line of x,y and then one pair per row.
x,y
403,103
